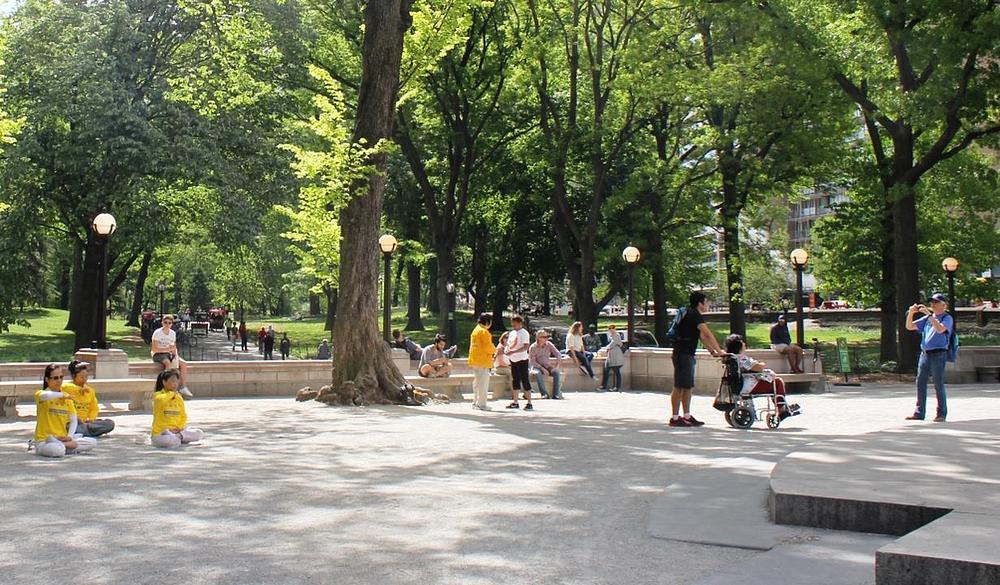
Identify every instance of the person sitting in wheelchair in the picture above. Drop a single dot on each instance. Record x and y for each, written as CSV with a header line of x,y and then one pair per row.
x,y
758,379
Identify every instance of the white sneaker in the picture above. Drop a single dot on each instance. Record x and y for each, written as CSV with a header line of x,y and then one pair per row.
x,y
185,392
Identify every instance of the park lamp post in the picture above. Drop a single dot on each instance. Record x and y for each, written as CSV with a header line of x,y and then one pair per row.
x,y
452,332
799,259
387,243
162,288
950,266
631,257
103,225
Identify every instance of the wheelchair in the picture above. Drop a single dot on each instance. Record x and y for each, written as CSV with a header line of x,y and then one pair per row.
x,y
741,409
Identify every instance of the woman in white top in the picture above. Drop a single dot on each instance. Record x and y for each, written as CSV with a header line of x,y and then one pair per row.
x,y
574,349
164,350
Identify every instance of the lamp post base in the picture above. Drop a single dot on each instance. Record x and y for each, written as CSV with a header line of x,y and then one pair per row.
x,y
107,363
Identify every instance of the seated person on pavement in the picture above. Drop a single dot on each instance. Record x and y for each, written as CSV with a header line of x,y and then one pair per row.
x,y
56,434
85,400
169,415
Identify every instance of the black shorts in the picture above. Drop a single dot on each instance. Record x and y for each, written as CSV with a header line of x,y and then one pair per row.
x,y
159,357
684,364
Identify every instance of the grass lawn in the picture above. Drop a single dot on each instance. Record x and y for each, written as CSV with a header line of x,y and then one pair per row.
x,y
46,340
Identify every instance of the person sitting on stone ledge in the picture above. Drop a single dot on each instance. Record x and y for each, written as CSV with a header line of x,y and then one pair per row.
x,y
407,344
169,415
164,350
55,423
435,361
85,401
781,342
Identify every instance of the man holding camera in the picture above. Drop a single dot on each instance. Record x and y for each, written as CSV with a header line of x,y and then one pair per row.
x,y
935,327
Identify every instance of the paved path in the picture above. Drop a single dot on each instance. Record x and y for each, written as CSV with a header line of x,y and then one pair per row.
x,y
287,493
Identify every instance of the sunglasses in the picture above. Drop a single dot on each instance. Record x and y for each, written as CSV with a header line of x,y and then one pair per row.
x,y
55,377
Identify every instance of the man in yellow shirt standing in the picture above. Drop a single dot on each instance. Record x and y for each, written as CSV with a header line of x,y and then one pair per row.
x,y
85,400
55,423
481,350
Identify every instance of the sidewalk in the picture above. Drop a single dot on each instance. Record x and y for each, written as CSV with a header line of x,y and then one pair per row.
x,y
292,493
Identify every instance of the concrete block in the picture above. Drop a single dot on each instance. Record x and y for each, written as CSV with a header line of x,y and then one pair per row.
x,y
958,548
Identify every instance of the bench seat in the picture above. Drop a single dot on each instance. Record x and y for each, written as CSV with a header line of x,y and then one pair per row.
x,y
988,374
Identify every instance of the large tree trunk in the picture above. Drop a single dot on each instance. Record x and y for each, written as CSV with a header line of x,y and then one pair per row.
x,y
734,272
87,309
907,283
413,321
140,287
331,308
397,281
445,267
888,350
314,306
500,301
76,293
433,302
655,256
363,370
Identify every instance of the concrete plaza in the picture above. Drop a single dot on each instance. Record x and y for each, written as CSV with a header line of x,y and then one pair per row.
x,y
592,489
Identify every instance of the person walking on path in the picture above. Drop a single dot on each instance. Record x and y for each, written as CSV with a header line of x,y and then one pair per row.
x,y
481,350
781,342
56,421
690,330
543,360
614,361
285,347
169,415
243,335
935,328
269,344
164,350
85,400
517,352
261,334
575,349
229,328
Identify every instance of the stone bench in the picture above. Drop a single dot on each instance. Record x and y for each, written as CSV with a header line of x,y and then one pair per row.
x,y
988,374
138,390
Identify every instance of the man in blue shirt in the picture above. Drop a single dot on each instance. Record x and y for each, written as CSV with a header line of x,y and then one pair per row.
x,y
935,327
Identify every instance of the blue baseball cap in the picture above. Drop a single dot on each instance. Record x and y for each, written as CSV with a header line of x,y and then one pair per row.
x,y
937,298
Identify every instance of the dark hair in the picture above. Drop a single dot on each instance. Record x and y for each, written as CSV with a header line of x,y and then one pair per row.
x,y
440,337
516,319
48,370
734,343
696,298
395,332
164,376
77,365
485,319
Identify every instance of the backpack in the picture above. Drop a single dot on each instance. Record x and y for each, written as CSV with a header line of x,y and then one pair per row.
x,y
672,336
953,346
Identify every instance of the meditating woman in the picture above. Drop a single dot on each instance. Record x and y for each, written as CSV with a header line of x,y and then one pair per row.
x,y
55,424
85,400
169,416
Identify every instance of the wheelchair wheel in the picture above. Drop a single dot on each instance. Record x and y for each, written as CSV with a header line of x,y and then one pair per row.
x,y
742,417
773,420
729,417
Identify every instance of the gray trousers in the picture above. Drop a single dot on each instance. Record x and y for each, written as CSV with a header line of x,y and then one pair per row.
x,y
96,427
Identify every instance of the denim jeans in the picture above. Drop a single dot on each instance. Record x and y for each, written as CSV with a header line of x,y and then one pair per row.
x,y
617,372
931,365
556,384
586,358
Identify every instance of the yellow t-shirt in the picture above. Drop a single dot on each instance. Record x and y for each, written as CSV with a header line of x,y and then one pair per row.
x,y
85,400
481,348
168,411
53,416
